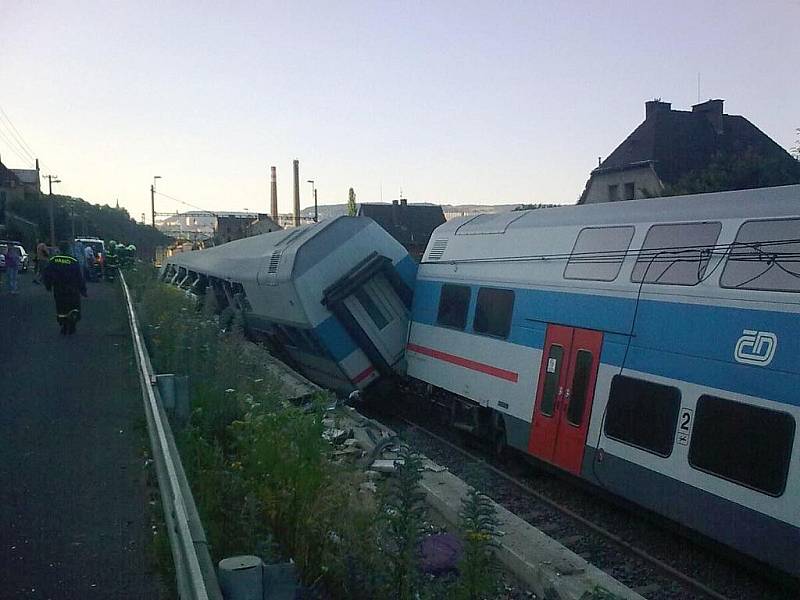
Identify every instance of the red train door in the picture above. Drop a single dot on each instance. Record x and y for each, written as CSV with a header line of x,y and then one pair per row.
x,y
550,391
564,396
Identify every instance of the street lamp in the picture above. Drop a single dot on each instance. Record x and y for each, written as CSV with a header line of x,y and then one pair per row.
x,y
314,190
153,199
51,179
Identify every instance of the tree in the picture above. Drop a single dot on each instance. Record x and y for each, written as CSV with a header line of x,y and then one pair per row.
x,y
351,204
736,171
796,150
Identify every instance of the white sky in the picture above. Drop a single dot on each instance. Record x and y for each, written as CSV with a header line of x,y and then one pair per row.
x,y
455,102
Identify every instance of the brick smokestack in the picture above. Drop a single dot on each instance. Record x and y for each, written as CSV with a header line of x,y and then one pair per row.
x,y
274,195
296,192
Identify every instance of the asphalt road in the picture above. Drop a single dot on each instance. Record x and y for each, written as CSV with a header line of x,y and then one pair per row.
x,y
73,499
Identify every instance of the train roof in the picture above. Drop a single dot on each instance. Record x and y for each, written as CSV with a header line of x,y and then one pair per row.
x,y
245,259
739,204
553,230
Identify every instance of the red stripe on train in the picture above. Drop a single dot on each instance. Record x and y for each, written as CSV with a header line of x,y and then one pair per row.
x,y
466,363
364,374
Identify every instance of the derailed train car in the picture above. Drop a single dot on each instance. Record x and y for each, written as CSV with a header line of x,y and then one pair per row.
x,y
333,298
649,347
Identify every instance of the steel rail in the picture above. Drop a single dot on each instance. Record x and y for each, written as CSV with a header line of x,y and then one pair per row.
x,y
174,502
661,565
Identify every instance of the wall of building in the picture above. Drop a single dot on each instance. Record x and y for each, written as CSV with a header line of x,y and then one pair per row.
x,y
644,179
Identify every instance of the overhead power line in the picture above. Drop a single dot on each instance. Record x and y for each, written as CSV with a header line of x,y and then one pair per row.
x,y
211,212
14,149
18,136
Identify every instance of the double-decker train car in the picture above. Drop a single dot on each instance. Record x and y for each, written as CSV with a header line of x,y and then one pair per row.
x,y
332,298
651,347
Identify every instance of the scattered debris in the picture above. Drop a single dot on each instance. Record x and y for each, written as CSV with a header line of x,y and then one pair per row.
x,y
386,465
440,553
334,435
368,486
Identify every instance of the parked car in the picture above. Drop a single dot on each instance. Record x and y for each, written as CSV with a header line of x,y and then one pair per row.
x,y
98,245
24,259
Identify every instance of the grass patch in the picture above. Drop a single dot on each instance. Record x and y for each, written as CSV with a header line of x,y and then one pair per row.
x,y
261,471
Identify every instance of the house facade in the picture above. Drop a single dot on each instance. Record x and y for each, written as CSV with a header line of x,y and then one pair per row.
x,y
674,151
11,188
235,227
410,224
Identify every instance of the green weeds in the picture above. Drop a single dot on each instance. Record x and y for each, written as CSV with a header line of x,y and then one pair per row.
x,y
479,568
403,512
262,477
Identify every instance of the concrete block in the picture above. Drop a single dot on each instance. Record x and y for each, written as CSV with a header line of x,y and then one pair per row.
x,y
550,569
241,578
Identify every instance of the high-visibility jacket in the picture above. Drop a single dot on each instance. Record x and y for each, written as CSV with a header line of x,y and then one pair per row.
x,y
64,272
112,258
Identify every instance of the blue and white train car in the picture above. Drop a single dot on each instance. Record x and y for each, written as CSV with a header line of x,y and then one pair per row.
x,y
651,347
332,297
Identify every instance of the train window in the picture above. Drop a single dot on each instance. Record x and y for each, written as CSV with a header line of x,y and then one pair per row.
x,y
598,253
493,312
642,414
676,254
453,306
372,309
746,444
551,379
765,256
580,386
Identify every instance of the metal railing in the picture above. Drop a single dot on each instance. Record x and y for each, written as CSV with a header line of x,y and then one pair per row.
x,y
194,571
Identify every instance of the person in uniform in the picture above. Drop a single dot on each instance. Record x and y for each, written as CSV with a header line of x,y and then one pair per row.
x,y
63,276
111,260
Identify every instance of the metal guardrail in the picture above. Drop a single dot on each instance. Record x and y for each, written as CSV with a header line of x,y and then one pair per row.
x,y
194,571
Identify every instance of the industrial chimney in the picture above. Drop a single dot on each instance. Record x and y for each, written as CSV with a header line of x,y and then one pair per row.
x,y
274,195
296,192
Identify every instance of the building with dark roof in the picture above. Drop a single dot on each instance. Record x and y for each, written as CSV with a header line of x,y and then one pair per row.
x,y
231,227
702,150
10,187
29,178
410,224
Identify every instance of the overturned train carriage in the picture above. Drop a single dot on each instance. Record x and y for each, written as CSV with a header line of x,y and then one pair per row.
x,y
332,298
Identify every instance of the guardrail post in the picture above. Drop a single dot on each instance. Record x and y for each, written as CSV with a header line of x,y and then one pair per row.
x,y
174,391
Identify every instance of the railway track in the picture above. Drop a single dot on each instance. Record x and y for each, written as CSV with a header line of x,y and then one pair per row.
x,y
658,564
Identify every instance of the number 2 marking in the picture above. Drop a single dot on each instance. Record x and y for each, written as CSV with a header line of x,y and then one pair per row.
x,y
687,418
685,426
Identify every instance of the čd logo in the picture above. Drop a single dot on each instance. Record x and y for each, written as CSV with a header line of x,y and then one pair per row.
x,y
756,348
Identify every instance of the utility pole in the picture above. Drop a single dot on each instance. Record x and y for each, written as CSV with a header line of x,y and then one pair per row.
x,y
51,179
314,192
153,199
296,165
